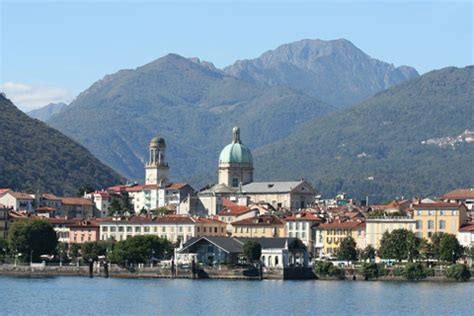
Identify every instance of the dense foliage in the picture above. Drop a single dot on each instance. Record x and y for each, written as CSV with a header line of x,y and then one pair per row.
x,y
375,148
347,249
414,271
449,248
368,253
327,268
32,237
35,157
458,272
93,250
252,250
140,249
400,244
372,270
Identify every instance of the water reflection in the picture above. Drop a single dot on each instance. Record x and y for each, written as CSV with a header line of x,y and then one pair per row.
x,y
75,295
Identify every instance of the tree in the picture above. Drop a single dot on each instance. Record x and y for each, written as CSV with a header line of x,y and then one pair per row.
x,y
125,202
449,248
400,244
414,271
425,249
140,249
252,250
368,253
114,207
92,250
458,272
435,244
370,270
347,249
32,236
74,251
84,189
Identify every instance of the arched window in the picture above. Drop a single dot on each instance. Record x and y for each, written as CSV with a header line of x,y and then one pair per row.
x,y
276,261
269,261
263,260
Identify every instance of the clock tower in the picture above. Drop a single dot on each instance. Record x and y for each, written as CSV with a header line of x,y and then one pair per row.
x,y
156,169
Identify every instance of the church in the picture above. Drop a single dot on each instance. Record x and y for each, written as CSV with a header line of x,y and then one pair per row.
x,y
235,183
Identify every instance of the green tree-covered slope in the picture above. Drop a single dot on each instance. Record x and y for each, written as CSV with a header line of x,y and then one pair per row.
x,y
191,104
34,156
375,149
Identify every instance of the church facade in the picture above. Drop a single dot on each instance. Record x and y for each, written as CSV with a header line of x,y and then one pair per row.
x,y
235,183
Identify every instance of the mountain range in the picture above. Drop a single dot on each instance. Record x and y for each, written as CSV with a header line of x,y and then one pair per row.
x,y
34,156
336,72
379,148
194,105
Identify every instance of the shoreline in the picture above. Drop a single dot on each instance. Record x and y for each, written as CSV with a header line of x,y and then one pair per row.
x,y
83,271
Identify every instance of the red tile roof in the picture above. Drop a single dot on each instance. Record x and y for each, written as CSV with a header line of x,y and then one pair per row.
x,y
467,228
76,201
264,220
4,190
347,224
305,216
231,208
21,196
459,194
176,186
436,205
45,209
52,197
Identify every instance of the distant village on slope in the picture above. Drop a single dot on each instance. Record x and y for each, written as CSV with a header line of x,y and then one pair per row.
x,y
237,208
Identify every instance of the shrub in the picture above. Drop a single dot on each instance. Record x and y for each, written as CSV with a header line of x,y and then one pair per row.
x,y
399,271
430,272
321,268
414,271
326,268
371,270
458,272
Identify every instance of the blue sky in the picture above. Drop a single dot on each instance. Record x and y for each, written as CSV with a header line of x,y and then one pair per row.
x,y
51,51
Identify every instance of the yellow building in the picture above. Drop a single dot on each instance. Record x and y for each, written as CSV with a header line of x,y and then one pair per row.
x,y
438,217
329,236
376,227
262,226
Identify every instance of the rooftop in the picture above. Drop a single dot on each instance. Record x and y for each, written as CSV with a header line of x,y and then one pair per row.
x,y
459,194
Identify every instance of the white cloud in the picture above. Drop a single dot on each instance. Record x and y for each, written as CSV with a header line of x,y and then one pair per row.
x,y
29,97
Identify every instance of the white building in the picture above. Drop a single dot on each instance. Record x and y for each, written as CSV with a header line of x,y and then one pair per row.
x,y
466,236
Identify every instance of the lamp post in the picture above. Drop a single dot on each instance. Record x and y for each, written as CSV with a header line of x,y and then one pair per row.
x,y
31,257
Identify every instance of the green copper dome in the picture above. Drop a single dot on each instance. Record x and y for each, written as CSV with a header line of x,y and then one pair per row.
x,y
236,152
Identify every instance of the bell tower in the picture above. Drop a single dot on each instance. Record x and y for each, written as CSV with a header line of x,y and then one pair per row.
x,y
157,169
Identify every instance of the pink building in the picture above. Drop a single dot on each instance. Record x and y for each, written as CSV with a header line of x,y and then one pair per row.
x,y
84,231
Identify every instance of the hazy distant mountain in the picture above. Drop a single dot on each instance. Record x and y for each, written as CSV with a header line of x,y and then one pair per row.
x,y
44,113
408,140
336,72
34,156
191,104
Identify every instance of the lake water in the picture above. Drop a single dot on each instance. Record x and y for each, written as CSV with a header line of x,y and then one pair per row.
x,y
98,296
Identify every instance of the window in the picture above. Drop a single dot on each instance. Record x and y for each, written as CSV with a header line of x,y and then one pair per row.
x,y
442,224
105,228
454,213
235,182
129,229
418,213
112,229
172,229
430,234
199,228
137,229
419,224
163,229
215,229
430,213
120,229
430,224
189,229
146,229
441,213
303,235
180,229
204,229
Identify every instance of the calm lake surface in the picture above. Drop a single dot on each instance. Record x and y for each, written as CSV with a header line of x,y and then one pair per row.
x,y
78,295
